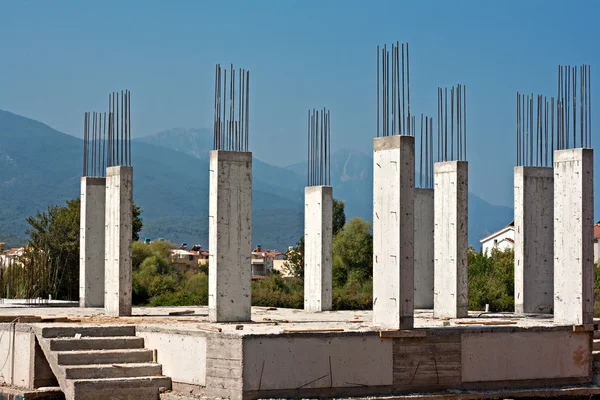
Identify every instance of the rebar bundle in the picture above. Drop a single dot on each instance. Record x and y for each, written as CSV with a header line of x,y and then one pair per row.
x,y
426,148
94,144
395,114
453,147
119,129
535,131
231,131
566,107
319,147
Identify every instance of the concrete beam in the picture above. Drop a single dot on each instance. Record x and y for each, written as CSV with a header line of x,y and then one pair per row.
x,y
424,255
393,231
573,236
230,235
451,245
534,239
91,242
318,228
118,240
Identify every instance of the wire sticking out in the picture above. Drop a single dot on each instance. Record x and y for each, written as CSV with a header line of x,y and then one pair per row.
x,y
231,132
319,147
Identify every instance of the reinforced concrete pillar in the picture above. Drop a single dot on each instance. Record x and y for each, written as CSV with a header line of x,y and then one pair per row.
x,y
230,236
393,231
318,229
573,236
451,243
534,239
424,248
91,241
118,240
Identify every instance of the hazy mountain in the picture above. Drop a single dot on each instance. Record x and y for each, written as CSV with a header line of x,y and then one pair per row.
x,y
40,166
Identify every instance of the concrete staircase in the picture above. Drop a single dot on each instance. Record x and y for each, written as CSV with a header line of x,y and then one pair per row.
x,y
102,362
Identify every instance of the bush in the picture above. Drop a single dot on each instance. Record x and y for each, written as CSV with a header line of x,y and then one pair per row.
x,y
275,291
492,280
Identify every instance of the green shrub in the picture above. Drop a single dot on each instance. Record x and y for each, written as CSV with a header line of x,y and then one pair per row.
x,y
492,280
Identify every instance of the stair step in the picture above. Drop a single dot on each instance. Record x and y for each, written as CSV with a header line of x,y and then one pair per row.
x,y
145,387
95,371
596,355
87,331
596,345
97,343
104,356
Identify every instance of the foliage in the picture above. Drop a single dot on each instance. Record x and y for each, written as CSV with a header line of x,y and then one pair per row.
x,y
275,291
492,280
353,252
338,216
141,251
50,264
294,265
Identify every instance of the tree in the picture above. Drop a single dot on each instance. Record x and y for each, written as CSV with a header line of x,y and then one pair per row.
x,y
294,265
50,266
353,252
339,216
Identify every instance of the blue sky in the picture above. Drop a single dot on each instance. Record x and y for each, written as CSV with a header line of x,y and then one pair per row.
x,y
59,59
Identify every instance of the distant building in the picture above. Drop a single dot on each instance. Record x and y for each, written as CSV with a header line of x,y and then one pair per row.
x,y
501,240
596,237
9,257
263,260
184,259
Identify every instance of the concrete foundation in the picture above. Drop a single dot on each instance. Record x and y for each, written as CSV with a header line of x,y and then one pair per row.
x,y
91,242
451,239
424,227
230,235
573,236
534,240
393,231
318,208
118,240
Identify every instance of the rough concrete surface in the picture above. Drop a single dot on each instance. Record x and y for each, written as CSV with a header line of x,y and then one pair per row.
x,y
393,231
451,239
573,236
118,239
230,236
534,239
424,253
91,242
318,230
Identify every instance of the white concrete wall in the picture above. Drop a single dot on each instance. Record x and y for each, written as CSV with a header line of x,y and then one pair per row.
x,y
118,240
16,357
316,362
230,236
534,239
573,236
516,356
91,242
318,204
182,355
498,241
424,248
393,231
451,239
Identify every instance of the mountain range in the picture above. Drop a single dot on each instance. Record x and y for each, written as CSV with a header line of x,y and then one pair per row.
x,y
40,166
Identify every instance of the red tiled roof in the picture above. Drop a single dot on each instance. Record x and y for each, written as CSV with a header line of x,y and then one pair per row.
x,y
596,231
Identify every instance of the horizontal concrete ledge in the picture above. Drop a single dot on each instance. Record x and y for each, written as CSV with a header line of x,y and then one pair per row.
x,y
235,156
572,154
118,170
443,167
391,142
51,393
310,189
535,172
93,180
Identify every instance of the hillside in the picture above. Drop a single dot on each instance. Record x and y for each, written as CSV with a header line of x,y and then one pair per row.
x,y
40,166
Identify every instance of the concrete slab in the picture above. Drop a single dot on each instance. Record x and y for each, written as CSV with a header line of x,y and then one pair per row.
x,y
424,253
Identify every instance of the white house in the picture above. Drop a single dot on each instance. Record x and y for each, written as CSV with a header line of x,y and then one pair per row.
x,y
502,239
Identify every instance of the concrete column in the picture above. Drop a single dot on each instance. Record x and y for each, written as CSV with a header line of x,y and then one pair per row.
x,y
573,236
91,242
393,231
451,245
119,221
424,248
318,208
230,236
534,239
